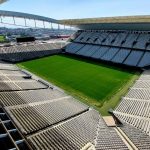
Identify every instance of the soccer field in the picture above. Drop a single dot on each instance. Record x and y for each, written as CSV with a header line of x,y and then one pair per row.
x,y
96,84
2,38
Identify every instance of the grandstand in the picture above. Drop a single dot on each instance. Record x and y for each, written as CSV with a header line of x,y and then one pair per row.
x,y
30,51
35,114
120,47
136,98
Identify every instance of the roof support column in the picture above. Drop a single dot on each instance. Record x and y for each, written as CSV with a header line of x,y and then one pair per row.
x,y
58,27
35,23
51,26
14,20
1,20
64,27
25,22
44,24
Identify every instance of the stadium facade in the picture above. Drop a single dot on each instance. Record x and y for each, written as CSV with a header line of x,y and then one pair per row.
x,y
35,114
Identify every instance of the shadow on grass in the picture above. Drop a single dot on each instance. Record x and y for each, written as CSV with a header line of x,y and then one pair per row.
x,y
110,65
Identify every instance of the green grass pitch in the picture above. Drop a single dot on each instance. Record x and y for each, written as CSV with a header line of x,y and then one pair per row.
x,y
2,38
96,84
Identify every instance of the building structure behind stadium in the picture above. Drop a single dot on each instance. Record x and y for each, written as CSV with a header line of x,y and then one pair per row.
x,y
33,113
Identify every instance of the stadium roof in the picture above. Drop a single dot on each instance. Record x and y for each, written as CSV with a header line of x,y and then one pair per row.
x,y
141,23
111,23
2,1
26,15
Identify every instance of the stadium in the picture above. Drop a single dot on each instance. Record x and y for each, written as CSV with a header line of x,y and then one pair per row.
x,y
90,91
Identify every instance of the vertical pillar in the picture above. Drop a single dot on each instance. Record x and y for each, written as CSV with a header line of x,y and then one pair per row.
x,y
35,23
25,22
14,20
1,20
51,26
44,24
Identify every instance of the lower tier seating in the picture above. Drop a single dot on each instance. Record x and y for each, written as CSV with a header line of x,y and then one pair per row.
x,y
26,52
73,134
49,118
139,139
10,136
44,114
134,108
125,56
109,139
14,98
122,47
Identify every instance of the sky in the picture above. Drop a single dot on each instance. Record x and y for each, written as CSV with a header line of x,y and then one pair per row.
x,y
70,9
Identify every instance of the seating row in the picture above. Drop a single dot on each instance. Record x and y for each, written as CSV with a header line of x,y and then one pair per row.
x,y
113,38
128,57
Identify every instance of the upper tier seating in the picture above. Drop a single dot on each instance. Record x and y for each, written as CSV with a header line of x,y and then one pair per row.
x,y
142,40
